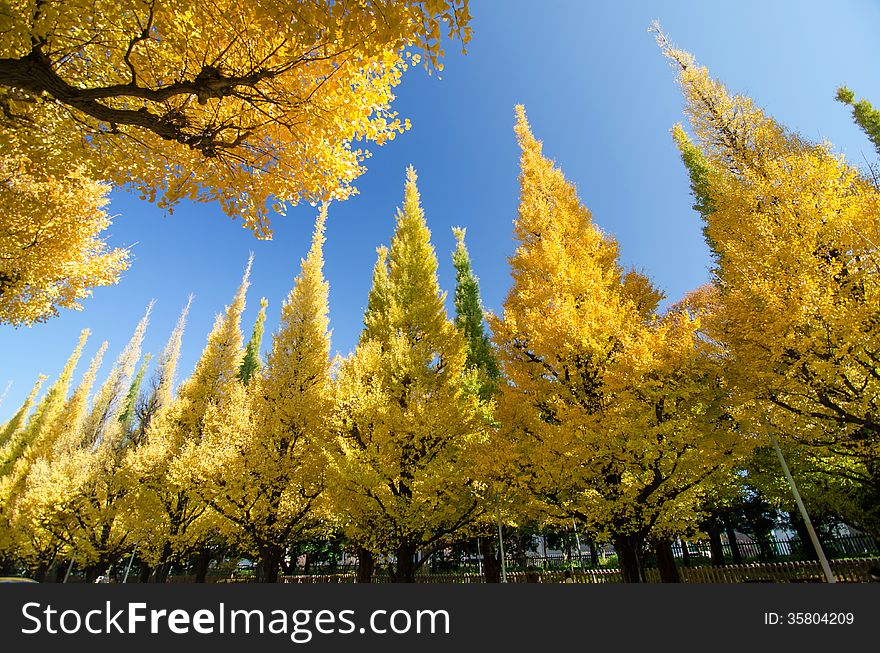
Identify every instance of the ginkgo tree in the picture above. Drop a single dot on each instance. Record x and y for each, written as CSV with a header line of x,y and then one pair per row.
x,y
52,250
174,517
612,412
794,230
409,429
252,104
261,463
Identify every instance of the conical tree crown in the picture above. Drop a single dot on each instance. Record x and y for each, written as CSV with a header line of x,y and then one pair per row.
x,y
377,325
469,316
164,385
798,291
699,170
301,348
864,115
103,423
418,305
406,310
49,408
12,430
69,427
219,364
251,363
566,299
296,383
130,405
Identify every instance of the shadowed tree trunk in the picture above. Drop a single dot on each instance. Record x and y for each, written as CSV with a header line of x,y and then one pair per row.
x,y
491,563
594,554
807,550
666,561
93,571
715,547
404,570
685,553
731,541
629,553
366,565
270,562
164,567
145,572
203,559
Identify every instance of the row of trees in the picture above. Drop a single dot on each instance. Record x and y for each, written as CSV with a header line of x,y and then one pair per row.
x,y
587,402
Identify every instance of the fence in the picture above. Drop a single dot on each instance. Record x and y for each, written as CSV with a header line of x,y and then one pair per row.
x,y
699,553
804,571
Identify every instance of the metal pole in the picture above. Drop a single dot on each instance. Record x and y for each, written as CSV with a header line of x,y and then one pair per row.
x,y
69,567
501,539
479,558
577,541
829,576
128,569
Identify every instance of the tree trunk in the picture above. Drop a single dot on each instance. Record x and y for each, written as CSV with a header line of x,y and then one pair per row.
x,y
39,572
164,567
366,565
629,553
731,540
61,571
270,561
491,563
93,571
715,546
666,561
203,559
594,554
145,572
807,550
404,570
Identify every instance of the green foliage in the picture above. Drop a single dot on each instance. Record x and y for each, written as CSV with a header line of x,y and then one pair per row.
x,y
251,363
470,320
864,115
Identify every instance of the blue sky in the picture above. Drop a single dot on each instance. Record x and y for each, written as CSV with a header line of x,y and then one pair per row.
x,y
597,92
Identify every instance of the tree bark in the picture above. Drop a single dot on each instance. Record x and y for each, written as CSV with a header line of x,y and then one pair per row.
x,y
203,559
715,547
666,561
685,553
629,553
404,570
807,551
491,563
92,572
366,565
270,562
731,540
164,567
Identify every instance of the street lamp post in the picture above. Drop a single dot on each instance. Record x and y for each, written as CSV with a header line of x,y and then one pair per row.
x,y
128,569
501,539
829,576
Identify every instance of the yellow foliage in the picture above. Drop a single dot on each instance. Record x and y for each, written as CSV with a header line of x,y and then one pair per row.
x,y
796,231
611,414
51,251
404,472
253,104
